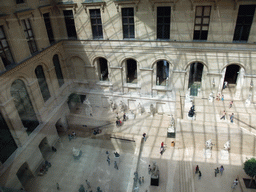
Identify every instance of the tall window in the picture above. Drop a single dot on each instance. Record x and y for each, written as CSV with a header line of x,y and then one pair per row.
x,y
163,22
131,71
103,64
24,106
162,73
244,22
70,24
5,52
96,23
19,1
42,82
29,35
128,22
202,21
58,71
7,143
48,27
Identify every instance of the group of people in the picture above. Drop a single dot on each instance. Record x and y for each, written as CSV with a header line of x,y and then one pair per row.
x,y
118,119
217,170
44,168
198,172
72,136
231,115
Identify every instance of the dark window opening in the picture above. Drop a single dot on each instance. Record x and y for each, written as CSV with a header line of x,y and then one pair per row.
x,y
96,23
5,52
7,143
195,73
232,73
70,24
244,22
42,83
162,73
29,35
131,71
48,27
20,1
202,21
128,22
103,69
163,22
58,70
24,106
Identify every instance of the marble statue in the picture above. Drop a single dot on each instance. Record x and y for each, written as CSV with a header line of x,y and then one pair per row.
x,y
210,97
208,144
227,146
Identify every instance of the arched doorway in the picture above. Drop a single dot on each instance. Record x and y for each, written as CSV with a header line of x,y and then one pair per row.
x,y
195,77
24,174
232,72
162,73
131,71
44,148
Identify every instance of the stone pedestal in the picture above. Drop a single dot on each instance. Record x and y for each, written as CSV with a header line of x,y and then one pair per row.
x,y
171,132
208,153
224,155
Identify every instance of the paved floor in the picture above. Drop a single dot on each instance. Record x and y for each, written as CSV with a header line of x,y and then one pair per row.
x,y
176,165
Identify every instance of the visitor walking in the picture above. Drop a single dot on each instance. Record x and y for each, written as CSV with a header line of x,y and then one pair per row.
x,y
144,136
221,169
162,145
58,186
230,104
235,183
140,180
199,175
232,118
197,169
108,160
149,169
216,171
81,189
222,98
115,165
223,115
88,184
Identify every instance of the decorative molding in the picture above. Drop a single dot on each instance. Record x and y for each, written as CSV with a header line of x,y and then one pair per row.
x,y
215,2
68,5
115,67
155,2
24,12
94,3
211,73
89,66
119,3
44,9
179,71
146,69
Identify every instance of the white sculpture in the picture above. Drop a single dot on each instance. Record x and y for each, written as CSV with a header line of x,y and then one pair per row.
x,y
172,122
210,97
121,107
152,110
248,100
208,144
88,107
76,152
227,146
112,105
139,109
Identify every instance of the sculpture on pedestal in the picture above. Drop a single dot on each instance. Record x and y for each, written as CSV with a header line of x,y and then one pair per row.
x,y
227,146
88,107
152,110
172,122
208,144
139,109
191,112
210,97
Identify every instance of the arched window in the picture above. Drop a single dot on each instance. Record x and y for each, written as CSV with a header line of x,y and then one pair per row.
x,y
195,77
42,82
24,106
58,71
103,69
7,143
162,73
131,71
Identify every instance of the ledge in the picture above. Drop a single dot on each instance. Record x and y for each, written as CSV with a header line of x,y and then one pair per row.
x,y
132,86
105,83
119,3
94,3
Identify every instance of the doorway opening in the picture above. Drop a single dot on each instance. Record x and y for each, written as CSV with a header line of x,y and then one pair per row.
x,y
232,73
131,73
195,77
24,174
44,148
162,73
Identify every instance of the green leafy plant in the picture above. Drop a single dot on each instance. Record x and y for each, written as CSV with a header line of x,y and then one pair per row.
x,y
250,168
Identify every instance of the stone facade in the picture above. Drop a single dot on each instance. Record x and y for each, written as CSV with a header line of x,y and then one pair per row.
x,y
79,60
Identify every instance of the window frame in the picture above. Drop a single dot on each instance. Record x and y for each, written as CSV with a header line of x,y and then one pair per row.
x,y
97,18
74,24
61,80
241,30
52,41
44,88
8,46
134,22
164,24
29,37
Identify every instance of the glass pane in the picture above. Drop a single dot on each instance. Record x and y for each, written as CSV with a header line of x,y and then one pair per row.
x,y
26,35
197,28
99,21
131,20
4,43
30,33
207,11
205,28
160,20
199,11
132,31
93,21
23,24
125,31
248,20
9,56
198,20
125,20
28,23
206,21
167,20
33,44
